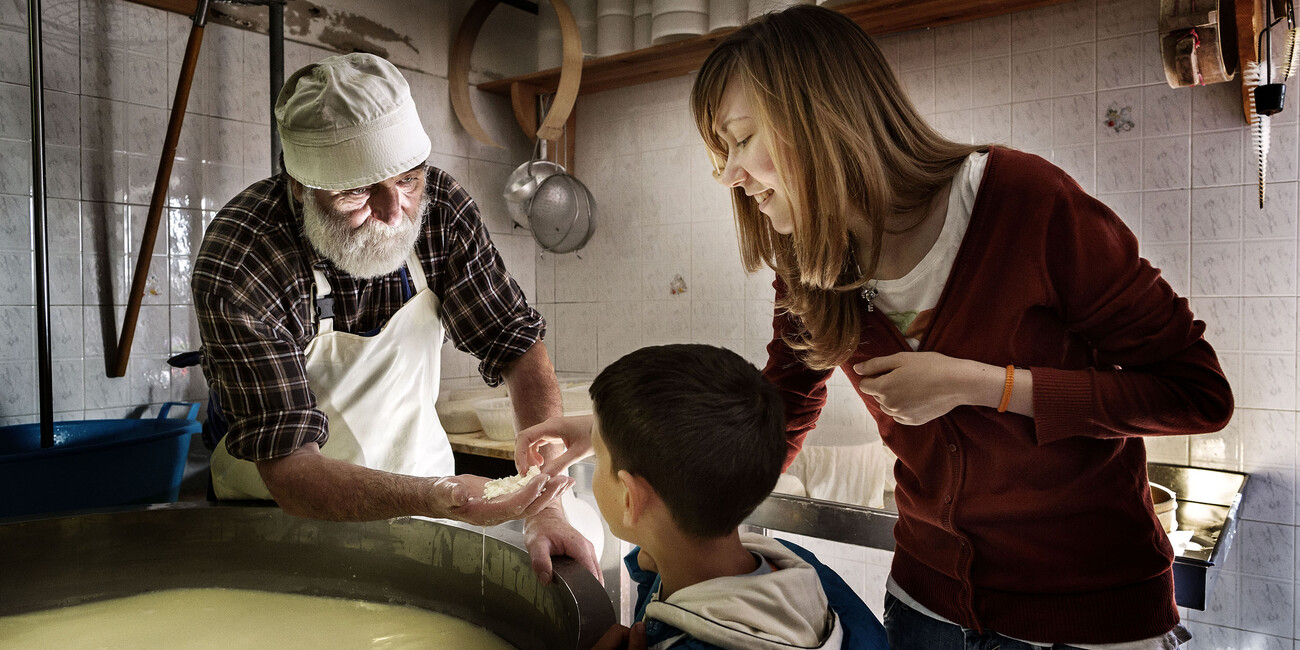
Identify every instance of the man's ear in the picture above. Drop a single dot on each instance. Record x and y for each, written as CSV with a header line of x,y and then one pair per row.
x,y
637,497
297,189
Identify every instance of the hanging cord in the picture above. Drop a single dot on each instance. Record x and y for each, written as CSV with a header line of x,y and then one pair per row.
x,y
1194,59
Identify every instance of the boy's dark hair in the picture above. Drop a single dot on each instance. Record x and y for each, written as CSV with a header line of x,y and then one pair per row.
x,y
700,424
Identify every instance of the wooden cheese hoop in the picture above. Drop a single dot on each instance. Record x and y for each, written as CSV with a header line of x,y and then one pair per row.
x,y
565,95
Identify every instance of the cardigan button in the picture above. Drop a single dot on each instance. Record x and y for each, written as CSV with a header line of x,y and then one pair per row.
x,y
947,498
952,448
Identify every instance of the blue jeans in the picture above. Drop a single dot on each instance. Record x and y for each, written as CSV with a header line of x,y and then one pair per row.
x,y
909,629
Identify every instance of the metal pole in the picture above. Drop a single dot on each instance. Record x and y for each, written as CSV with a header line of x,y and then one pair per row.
x,y
276,33
41,242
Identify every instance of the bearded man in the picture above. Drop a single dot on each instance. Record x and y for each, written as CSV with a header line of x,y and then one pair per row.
x,y
323,296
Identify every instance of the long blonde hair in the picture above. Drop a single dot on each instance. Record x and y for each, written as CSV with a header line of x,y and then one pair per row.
x,y
845,140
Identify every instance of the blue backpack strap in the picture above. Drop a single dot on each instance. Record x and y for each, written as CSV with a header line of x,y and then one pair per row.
x,y
862,630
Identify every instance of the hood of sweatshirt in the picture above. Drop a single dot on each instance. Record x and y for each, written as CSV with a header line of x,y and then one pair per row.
x,y
782,609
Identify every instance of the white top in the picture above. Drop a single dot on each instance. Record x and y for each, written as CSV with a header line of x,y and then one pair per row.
x,y
909,301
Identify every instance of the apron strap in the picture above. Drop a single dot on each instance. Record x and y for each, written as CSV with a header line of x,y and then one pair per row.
x,y
417,272
322,302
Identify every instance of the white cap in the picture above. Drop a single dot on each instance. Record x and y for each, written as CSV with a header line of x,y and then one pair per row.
x,y
349,121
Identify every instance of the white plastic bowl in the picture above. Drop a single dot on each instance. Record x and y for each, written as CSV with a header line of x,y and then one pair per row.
x,y
455,407
670,6
759,7
497,418
727,13
1165,503
613,8
677,25
457,416
576,399
613,34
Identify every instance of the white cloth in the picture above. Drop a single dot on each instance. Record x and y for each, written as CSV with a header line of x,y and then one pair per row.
x,y
854,474
780,609
377,392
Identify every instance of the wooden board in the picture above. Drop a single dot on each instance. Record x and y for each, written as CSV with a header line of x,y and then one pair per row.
x,y
478,444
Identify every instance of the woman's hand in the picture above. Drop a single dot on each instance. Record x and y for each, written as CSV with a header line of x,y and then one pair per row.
x,y
461,498
572,433
916,387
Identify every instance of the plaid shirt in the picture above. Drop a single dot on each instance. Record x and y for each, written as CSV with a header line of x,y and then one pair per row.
x,y
252,286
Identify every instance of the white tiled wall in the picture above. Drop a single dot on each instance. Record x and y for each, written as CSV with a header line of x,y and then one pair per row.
x,y
110,75
1042,81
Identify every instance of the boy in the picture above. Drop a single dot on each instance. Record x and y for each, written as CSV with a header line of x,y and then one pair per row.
x,y
689,439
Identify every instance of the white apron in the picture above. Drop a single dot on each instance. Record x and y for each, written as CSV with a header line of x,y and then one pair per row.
x,y
377,391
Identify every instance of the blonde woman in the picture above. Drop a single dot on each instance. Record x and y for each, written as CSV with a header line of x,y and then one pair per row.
x,y
1002,329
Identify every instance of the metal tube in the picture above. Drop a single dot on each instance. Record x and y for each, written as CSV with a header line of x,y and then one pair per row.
x,y
40,240
276,33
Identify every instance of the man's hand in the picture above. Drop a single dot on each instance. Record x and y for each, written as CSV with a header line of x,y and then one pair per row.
x,y
461,498
548,533
916,387
573,433
620,638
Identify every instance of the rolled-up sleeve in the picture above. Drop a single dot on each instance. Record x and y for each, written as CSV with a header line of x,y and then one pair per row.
x,y
260,377
483,309
803,390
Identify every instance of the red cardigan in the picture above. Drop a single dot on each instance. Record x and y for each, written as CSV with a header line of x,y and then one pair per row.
x,y
1039,528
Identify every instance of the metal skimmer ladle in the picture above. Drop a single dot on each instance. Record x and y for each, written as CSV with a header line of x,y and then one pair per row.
x,y
562,213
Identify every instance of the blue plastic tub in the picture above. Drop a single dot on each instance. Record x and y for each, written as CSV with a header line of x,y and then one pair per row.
x,y
94,463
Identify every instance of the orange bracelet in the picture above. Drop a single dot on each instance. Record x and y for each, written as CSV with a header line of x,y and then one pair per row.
x,y
1006,389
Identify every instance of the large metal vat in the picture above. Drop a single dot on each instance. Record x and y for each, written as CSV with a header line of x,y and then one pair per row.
x,y
71,560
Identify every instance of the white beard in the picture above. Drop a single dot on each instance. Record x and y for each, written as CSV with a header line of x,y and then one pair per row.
x,y
368,251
